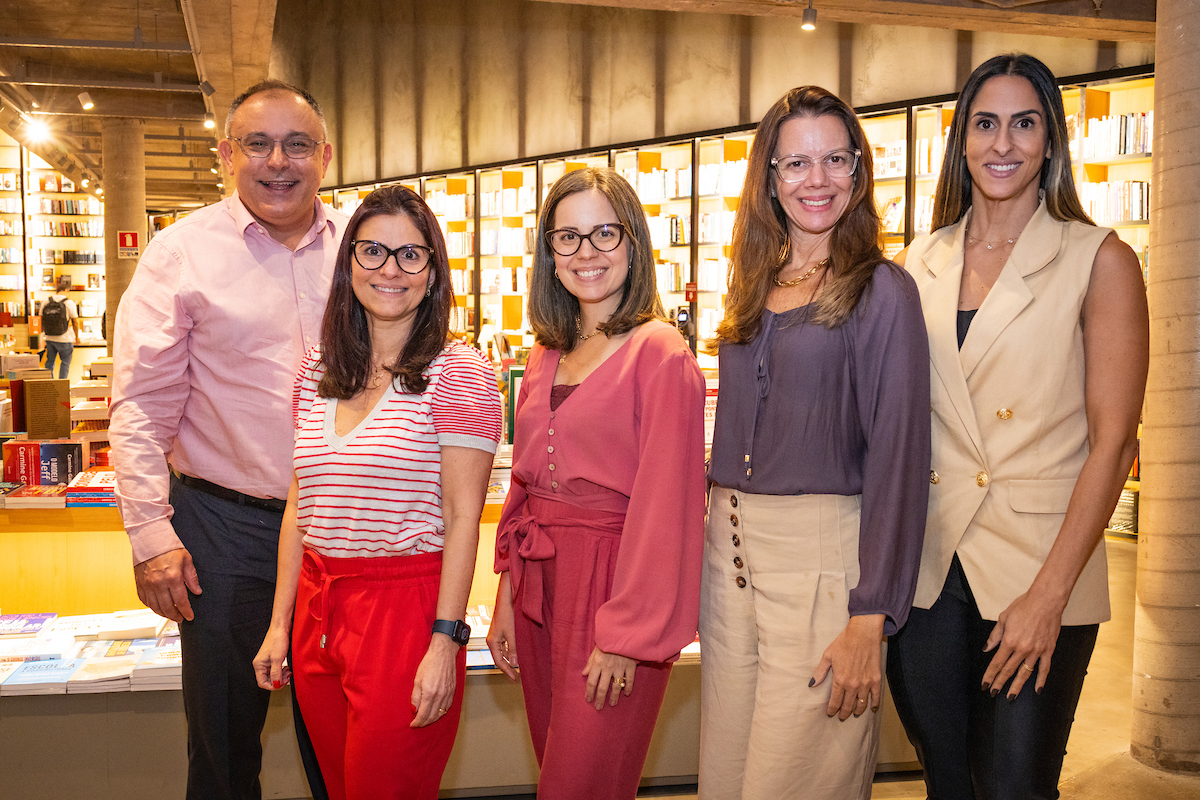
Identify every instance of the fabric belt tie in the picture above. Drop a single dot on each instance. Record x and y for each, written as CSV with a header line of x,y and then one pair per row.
x,y
534,547
325,603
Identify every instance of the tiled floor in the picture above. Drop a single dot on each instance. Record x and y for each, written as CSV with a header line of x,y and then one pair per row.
x,y
1096,765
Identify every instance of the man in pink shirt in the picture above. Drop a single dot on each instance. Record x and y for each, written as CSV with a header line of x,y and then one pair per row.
x,y
208,340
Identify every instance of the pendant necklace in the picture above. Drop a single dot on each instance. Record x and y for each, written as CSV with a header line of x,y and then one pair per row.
x,y
989,245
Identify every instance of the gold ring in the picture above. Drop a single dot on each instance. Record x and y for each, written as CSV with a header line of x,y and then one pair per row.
x,y
441,711
862,700
621,683
1026,666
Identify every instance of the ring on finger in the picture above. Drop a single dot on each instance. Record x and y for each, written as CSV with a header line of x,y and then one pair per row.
x,y
1026,666
862,700
441,711
621,682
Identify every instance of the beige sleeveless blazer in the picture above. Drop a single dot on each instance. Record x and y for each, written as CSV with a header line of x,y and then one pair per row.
x,y
1009,429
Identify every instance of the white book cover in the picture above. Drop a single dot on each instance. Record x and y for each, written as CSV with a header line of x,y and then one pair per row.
x,y
103,674
140,624
81,626
43,648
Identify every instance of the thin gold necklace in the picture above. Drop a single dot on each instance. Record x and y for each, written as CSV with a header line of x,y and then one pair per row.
x,y
804,277
989,245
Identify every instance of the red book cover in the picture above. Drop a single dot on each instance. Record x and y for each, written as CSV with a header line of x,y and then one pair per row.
x,y
16,391
23,462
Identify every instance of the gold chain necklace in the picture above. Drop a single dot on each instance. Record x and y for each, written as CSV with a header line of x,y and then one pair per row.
x,y
804,277
579,328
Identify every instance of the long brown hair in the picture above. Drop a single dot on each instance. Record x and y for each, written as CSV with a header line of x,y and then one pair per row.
x,y
345,335
760,234
953,195
552,309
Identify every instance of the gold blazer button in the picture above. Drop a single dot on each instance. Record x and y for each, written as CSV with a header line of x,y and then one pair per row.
x,y
981,479
1004,413
933,476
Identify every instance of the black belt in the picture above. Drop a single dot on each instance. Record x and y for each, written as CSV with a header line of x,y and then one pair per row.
x,y
262,503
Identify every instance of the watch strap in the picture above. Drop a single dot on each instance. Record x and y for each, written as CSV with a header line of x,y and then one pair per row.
x,y
456,629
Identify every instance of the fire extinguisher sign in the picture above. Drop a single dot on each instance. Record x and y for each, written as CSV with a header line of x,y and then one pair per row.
x,y
127,244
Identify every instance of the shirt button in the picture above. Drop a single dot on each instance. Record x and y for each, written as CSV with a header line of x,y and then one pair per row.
x,y
1004,413
736,540
981,479
552,431
551,415
733,500
553,484
933,476
552,469
303,295
550,449
741,582
737,561
733,520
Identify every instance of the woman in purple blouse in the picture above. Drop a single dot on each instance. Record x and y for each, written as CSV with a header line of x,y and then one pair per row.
x,y
819,470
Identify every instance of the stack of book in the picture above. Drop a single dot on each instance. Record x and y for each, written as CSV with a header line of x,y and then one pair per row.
x,y
40,677
93,487
37,497
15,626
159,668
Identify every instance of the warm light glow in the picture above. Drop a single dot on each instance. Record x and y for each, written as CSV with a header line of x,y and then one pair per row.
x,y
809,20
84,183
85,100
213,170
99,190
37,131
34,103
210,121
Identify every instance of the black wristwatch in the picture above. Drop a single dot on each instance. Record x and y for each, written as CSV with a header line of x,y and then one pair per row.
x,y
457,630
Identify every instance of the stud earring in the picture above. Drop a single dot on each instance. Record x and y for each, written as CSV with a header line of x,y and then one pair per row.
x,y
428,290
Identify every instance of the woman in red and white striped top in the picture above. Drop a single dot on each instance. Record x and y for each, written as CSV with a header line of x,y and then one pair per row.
x,y
395,433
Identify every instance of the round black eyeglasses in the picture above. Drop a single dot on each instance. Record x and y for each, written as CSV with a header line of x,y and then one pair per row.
x,y
604,238
410,258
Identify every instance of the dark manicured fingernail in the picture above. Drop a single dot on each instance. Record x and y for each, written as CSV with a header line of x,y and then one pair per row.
x,y
1038,690
812,682
1011,697
995,692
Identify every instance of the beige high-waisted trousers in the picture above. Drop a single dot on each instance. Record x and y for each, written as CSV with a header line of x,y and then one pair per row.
x,y
777,575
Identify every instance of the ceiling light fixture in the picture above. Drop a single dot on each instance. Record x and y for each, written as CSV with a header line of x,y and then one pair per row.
x,y
808,22
84,183
85,100
213,170
36,130
210,120
207,89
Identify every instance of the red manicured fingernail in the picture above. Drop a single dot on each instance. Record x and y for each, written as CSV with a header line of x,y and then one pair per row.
x,y
276,684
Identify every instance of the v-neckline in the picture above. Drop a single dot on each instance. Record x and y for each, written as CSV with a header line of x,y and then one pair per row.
x,y
588,377
338,442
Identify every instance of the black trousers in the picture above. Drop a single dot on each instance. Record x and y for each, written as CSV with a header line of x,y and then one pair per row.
x,y
972,745
235,550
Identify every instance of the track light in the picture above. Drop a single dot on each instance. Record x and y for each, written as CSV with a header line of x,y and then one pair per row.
x,y
84,183
36,130
207,88
85,100
213,170
808,22
210,120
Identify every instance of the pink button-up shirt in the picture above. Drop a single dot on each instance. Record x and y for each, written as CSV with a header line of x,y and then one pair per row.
x,y
208,339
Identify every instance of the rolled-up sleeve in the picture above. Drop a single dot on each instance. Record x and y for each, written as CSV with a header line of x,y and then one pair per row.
x,y
891,372
150,390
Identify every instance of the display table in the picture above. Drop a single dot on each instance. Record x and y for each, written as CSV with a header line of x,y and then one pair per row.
x,y
133,744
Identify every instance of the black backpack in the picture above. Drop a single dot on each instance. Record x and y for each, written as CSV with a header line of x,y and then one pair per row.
x,y
54,317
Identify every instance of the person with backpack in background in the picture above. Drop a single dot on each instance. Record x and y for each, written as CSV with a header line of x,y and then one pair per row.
x,y
60,324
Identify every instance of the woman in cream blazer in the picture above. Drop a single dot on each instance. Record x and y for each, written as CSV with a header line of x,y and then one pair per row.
x,y
1038,339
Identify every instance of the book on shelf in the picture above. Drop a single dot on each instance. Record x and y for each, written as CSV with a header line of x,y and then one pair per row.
x,y
480,619
22,462
7,488
37,497
25,625
37,648
103,673
82,627
40,677
137,624
159,668
48,408
61,461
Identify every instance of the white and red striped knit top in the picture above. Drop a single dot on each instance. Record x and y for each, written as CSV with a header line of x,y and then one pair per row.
x,y
376,490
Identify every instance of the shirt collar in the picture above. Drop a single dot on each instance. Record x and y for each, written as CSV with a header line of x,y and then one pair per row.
x,y
244,219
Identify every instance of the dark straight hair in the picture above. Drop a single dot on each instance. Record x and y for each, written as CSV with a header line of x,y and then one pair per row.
x,y
953,195
552,309
760,234
345,334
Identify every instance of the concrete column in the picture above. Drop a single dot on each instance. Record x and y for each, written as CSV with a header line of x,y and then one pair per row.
x,y
1166,651
124,169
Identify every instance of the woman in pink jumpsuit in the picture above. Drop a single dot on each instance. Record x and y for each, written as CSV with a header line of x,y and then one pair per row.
x,y
600,542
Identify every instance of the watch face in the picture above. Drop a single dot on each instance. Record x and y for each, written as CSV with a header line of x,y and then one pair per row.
x,y
462,632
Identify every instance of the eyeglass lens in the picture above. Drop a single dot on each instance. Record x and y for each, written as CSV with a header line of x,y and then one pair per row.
x,y
604,238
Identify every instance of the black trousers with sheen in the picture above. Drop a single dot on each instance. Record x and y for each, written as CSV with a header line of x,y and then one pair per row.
x,y
234,549
973,746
